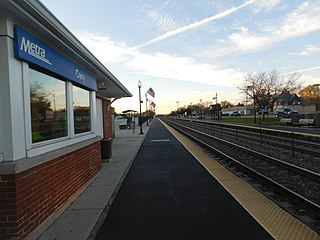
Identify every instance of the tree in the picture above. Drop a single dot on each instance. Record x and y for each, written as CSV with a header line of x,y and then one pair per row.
x,y
181,110
264,88
311,94
226,104
206,104
38,95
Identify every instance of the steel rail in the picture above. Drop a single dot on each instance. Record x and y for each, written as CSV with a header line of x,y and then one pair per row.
x,y
255,129
308,147
285,142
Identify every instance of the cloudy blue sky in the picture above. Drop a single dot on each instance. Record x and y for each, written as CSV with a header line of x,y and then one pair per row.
x,y
190,50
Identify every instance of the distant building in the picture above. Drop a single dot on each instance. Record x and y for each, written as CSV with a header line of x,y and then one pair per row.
x,y
287,99
243,110
215,110
294,102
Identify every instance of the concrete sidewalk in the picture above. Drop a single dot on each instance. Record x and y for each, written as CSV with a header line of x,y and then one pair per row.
x,y
86,214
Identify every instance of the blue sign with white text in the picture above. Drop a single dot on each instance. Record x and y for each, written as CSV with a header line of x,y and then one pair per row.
x,y
29,48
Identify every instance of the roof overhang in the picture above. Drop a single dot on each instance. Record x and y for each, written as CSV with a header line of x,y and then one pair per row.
x,y
35,17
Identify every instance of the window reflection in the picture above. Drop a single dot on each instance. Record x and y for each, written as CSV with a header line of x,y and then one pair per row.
x,y
48,107
81,110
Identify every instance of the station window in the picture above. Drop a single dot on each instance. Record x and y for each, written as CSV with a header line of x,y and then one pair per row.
x,y
48,107
81,110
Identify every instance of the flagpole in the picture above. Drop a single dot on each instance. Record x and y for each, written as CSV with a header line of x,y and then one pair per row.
x,y
147,110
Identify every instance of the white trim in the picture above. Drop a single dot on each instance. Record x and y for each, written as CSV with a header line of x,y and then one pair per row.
x,y
27,111
16,146
35,151
3,83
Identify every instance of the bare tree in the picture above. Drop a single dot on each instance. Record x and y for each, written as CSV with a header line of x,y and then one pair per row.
x,y
264,88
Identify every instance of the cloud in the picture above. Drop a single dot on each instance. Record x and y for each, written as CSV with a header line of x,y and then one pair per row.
x,y
164,22
104,48
246,41
301,21
183,68
195,24
309,79
158,64
309,50
265,5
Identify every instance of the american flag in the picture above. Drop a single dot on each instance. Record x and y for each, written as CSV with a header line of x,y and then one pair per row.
x,y
153,104
151,92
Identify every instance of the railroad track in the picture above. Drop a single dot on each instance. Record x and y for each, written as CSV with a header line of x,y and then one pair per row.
x,y
263,136
300,185
298,149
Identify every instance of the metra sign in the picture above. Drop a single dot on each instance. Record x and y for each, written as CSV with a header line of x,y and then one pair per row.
x,y
32,50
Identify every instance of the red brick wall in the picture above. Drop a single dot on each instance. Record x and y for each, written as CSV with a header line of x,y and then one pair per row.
x,y
30,197
107,119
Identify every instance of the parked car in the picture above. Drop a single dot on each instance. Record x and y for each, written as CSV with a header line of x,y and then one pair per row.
x,y
120,116
263,111
235,114
285,112
293,113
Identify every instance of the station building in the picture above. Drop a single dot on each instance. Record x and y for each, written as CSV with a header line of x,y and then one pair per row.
x,y
55,107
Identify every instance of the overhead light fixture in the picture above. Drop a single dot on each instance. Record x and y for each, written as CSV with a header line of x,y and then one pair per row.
x,y
102,86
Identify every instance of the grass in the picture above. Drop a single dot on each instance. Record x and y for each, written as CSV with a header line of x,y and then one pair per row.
x,y
250,120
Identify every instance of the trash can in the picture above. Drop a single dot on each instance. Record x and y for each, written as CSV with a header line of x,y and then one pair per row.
x,y
106,148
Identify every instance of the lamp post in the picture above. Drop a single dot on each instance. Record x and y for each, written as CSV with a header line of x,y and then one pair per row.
x,y
139,86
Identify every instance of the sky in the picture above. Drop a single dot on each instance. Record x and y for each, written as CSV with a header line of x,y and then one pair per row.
x,y
190,51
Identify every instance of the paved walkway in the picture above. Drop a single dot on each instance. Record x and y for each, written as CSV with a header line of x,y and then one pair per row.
x,y
82,219
167,194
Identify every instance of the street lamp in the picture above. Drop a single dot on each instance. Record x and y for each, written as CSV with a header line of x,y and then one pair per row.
x,y
140,121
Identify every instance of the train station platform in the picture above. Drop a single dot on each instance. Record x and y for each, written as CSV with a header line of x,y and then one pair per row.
x,y
162,186
82,216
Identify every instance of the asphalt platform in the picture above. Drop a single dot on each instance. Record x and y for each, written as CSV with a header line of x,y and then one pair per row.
x,y
167,194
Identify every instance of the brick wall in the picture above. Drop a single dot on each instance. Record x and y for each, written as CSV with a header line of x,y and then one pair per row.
x,y
30,197
107,119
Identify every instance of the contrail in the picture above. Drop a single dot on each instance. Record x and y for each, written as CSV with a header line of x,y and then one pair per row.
x,y
304,70
194,25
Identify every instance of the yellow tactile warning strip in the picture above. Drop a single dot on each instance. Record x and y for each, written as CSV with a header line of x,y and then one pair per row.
x,y
280,224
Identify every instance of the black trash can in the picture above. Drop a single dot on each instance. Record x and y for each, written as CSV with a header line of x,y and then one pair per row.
x,y
106,150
